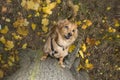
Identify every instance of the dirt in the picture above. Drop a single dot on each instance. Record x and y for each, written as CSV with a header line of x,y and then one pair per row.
x,y
105,57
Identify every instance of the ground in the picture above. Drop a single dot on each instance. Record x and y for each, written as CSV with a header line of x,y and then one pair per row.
x,y
26,26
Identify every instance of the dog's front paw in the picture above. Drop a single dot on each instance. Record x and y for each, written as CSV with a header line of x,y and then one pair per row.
x,y
61,64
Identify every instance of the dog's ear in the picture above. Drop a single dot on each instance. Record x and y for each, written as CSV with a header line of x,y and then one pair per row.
x,y
62,22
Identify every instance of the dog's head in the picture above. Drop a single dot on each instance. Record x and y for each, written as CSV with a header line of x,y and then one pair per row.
x,y
67,29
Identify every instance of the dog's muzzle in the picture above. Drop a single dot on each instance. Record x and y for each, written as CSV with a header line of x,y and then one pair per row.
x,y
68,36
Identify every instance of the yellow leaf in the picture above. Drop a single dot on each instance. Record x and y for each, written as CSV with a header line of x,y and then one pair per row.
x,y
37,14
45,29
22,31
88,65
17,37
7,20
11,58
110,29
30,4
49,7
1,73
0,57
4,30
24,46
76,8
10,63
9,45
58,1
88,23
17,58
81,54
20,23
83,47
33,26
29,16
84,26
80,67
78,23
116,22
71,48
108,8
2,39
97,42
45,21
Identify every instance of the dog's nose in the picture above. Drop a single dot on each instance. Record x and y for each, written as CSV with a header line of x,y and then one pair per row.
x,y
69,34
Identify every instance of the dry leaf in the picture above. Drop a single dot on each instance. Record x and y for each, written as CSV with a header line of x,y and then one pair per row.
x,y
11,58
33,26
9,45
110,29
4,30
88,65
83,47
22,31
47,9
108,8
30,4
24,46
71,48
4,9
45,22
45,29
84,26
2,39
10,63
1,73
81,54
58,1
17,37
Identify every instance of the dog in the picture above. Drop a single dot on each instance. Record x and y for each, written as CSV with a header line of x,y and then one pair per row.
x,y
59,40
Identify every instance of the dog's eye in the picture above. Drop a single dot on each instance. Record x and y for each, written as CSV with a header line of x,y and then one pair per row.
x,y
73,30
66,27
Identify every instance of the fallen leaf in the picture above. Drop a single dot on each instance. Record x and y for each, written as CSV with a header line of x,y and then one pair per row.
x,y
4,30
45,22
4,9
24,46
1,73
83,47
22,30
9,45
71,48
81,54
2,39
45,29
88,23
10,63
84,26
97,42
108,8
7,20
110,29
11,58
58,1
47,9
80,67
88,65
33,26
17,37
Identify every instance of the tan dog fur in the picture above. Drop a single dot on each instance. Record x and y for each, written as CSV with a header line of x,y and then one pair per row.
x,y
62,36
